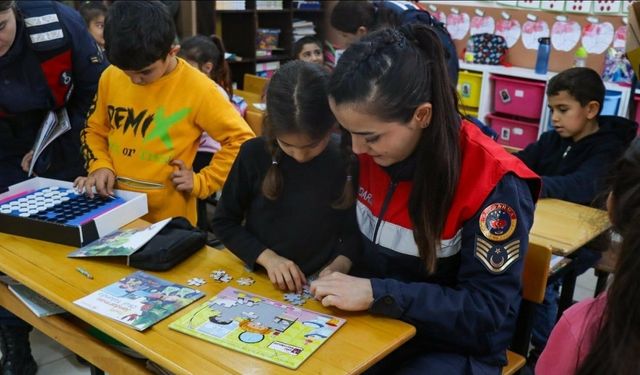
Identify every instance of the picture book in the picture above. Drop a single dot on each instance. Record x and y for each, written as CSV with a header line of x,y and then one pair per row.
x,y
54,125
36,303
139,300
271,330
123,242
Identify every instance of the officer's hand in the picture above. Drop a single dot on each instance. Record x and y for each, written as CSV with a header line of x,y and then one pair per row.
x,y
26,161
103,180
343,291
182,177
282,272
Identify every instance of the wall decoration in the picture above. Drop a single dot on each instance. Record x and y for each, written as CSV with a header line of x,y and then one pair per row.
x,y
509,29
481,24
596,37
529,4
565,34
458,25
607,6
554,5
578,6
532,30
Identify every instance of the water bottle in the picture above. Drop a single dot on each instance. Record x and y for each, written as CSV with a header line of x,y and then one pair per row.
x,y
580,58
542,59
468,53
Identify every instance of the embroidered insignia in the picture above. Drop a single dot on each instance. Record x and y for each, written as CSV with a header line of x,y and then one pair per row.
x,y
497,258
498,221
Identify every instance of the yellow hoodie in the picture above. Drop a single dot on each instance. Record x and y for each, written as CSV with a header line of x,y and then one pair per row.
x,y
137,130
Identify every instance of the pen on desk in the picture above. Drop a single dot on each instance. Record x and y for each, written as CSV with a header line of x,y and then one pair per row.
x,y
84,272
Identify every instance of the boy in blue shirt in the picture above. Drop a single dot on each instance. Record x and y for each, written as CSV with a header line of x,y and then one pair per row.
x,y
573,161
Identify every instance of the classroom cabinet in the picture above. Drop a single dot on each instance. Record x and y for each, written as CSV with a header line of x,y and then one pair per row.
x,y
512,100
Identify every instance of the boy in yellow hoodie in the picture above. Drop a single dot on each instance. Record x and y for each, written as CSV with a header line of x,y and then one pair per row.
x,y
151,107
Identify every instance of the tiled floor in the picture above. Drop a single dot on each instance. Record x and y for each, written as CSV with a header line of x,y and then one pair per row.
x,y
54,359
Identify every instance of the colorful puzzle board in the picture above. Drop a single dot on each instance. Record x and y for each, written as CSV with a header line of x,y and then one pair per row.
x,y
57,205
271,330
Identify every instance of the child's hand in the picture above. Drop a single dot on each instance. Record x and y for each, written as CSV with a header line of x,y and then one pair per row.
x,y
282,271
343,291
341,264
182,177
102,179
26,161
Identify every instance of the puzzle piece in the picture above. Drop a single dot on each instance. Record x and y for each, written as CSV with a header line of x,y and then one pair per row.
x,y
221,276
295,298
196,281
246,281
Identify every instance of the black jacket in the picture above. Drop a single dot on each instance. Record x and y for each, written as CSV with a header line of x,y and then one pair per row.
x,y
575,171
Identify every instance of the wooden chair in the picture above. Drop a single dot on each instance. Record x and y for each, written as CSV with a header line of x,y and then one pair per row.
x,y
255,119
534,284
253,83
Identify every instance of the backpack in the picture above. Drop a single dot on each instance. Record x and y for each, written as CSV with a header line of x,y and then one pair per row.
x,y
489,49
409,13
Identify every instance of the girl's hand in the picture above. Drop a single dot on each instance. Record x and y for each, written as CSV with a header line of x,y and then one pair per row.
x,y
282,272
102,179
182,177
343,291
341,264
26,161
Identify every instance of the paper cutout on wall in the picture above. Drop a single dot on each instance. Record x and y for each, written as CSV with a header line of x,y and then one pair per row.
x,y
510,30
482,25
553,5
620,38
596,37
607,6
529,4
565,35
509,3
440,16
531,31
578,6
458,25
625,6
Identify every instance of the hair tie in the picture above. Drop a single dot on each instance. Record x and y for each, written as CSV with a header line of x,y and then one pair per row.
x,y
274,162
349,178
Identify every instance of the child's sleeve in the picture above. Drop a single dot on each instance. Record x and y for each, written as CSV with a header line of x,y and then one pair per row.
x,y
560,355
217,116
94,137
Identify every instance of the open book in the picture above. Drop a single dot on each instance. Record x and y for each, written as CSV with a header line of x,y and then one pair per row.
x,y
54,125
36,303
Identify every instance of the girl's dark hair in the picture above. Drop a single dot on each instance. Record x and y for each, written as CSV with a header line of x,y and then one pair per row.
x,y
89,10
348,16
388,74
202,50
297,103
617,345
297,46
7,4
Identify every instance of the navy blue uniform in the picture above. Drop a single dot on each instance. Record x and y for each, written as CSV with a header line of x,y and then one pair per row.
x,y
25,98
465,312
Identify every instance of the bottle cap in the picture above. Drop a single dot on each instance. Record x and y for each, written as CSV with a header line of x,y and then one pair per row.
x,y
544,40
581,52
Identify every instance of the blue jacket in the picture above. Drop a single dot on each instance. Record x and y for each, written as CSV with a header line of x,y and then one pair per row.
x,y
25,98
575,171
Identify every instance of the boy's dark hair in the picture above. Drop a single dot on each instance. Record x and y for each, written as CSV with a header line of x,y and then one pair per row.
x,y
202,50
617,344
6,4
138,33
297,102
90,10
583,84
297,46
348,16
389,74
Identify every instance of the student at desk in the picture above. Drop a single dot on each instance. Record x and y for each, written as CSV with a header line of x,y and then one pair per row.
x,y
444,211
573,161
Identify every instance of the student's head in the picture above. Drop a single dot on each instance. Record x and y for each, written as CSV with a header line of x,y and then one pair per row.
x,y
207,54
391,92
138,39
616,347
93,13
575,98
7,25
308,49
354,19
298,121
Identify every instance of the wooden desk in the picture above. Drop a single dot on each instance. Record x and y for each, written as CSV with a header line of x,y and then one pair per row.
x,y
44,267
566,226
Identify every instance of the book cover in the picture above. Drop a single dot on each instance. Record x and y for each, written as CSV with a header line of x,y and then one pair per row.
x,y
139,300
36,303
54,125
123,242
271,330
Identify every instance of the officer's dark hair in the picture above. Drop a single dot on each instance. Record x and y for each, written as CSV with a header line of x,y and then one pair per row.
x,y
617,343
389,74
297,46
583,84
90,10
7,4
202,50
297,103
138,33
347,16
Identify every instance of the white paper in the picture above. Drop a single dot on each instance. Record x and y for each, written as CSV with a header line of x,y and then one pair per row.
x,y
565,35
596,37
458,25
510,30
482,25
531,31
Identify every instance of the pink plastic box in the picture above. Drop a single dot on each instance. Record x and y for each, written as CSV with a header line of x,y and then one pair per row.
x,y
512,132
519,97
